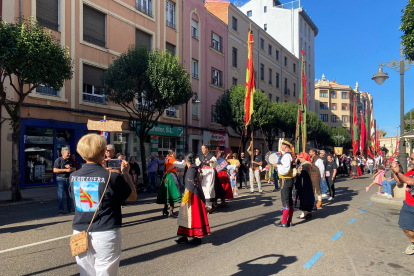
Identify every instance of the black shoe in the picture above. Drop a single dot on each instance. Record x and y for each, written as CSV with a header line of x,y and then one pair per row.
x,y
280,224
182,240
195,241
60,213
172,216
211,210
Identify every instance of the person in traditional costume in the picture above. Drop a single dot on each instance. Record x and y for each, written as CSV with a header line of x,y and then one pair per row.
x,y
169,192
304,186
192,217
317,172
224,177
354,168
359,166
285,169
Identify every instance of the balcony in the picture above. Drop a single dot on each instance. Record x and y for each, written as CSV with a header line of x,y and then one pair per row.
x,y
170,24
47,91
94,98
143,9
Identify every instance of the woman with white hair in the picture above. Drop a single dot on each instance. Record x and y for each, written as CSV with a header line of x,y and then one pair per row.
x,y
97,194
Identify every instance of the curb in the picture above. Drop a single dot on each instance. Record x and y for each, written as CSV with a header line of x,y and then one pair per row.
x,y
391,201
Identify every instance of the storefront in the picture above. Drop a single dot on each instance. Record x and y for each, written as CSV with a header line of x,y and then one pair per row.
x,y
166,137
216,140
41,142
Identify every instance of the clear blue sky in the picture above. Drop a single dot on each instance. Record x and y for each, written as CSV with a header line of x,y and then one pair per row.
x,y
354,38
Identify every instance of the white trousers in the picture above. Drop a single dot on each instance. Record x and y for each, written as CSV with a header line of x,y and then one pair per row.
x,y
257,176
103,255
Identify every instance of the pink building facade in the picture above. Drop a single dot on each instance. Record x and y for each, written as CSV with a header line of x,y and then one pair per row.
x,y
205,50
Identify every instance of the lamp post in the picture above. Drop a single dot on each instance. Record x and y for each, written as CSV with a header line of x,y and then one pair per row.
x,y
339,138
399,66
196,100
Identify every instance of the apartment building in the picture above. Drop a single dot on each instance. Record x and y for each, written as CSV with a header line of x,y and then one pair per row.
x,y
293,28
276,68
96,32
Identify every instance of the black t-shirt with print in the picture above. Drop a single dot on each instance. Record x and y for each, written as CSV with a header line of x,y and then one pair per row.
x,y
86,188
331,166
258,159
60,163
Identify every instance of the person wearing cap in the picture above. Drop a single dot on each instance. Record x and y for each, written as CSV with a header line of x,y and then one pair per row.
x,y
324,185
285,171
317,172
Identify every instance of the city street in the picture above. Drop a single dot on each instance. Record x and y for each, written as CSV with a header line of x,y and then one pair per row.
x,y
244,240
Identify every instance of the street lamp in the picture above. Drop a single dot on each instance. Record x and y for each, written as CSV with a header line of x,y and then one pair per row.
x,y
197,101
339,138
399,66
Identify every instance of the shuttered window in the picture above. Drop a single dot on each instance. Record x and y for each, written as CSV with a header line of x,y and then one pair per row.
x,y
92,84
143,38
47,13
94,26
170,48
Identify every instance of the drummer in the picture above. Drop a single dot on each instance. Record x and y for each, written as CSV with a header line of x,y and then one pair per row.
x,y
272,158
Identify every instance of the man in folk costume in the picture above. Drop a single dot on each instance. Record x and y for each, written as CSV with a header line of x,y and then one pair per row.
x,y
285,169
317,172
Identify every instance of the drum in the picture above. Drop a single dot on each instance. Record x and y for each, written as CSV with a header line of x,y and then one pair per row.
x,y
272,157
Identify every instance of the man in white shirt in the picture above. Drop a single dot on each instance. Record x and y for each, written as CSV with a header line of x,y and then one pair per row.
x,y
317,173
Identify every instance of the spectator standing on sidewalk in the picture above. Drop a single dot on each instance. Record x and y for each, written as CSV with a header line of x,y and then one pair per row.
x,y
244,170
63,167
406,221
370,164
255,171
324,185
152,173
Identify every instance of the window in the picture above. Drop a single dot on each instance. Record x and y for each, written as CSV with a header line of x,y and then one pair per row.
x,y
333,118
194,67
261,71
262,43
215,42
344,107
270,97
323,105
334,106
277,99
305,49
324,117
276,3
94,26
234,81
294,67
144,6
47,13
265,9
214,114
194,111
344,95
265,27
42,89
234,57
270,49
170,14
170,47
285,61
194,29
234,23
345,119
249,13
171,112
277,80
333,95
216,77
294,90
309,72
323,94
277,55
286,89
270,76
92,84
143,38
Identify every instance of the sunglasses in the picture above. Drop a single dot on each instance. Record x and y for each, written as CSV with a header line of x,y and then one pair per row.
x,y
411,159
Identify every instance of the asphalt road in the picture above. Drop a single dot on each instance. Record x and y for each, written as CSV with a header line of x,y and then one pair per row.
x,y
243,240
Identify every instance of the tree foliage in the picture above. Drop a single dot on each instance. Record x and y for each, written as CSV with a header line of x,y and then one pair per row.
x,y
383,132
145,84
409,120
318,131
407,27
29,56
271,129
339,131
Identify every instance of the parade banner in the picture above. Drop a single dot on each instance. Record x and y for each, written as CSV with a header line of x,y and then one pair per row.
x,y
355,131
106,126
250,83
338,150
216,139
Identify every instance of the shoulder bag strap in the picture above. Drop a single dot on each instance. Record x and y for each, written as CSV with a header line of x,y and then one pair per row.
x,y
97,208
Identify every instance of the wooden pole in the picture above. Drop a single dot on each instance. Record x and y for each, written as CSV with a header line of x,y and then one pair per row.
x,y
251,129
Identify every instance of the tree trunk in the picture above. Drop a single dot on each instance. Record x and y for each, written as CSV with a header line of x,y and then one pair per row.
x,y
143,160
16,195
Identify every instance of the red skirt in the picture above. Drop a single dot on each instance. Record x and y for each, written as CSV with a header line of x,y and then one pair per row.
x,y
225,182
192,219
359,171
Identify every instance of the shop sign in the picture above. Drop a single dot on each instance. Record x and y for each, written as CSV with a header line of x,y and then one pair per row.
x,y
44,140
216,139
164,130
154,139
105,125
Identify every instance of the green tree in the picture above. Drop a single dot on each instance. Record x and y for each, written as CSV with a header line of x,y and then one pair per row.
x,y
407,27
145,84
383,132
230,111
340,131
288,116
318,131
29,56
271,129
409,120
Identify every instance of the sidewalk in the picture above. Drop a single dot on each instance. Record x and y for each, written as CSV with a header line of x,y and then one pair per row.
x,y
29,196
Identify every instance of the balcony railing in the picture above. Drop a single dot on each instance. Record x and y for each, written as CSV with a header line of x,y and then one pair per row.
x,y
170,24
47,91
94,98
216,45
141,8
194,32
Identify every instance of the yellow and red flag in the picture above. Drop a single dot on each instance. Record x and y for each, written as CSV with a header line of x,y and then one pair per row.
x,y
86,198
250,83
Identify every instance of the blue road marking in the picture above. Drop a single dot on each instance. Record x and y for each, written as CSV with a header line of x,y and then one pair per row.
x,y
362,210
369,203
337,236
313,260
352,221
